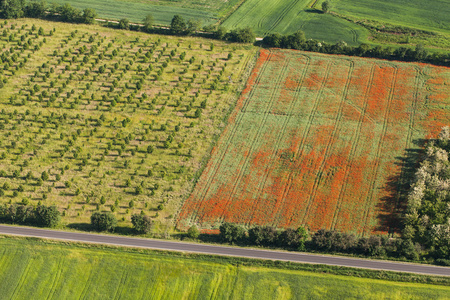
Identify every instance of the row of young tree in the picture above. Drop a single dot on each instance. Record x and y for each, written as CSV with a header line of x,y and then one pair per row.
x,y
298,41
13,9
329,241
41,215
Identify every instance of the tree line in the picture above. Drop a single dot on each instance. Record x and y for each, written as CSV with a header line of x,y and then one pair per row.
x,y
180,27
298,41
13,9
323,240
41,215
66,13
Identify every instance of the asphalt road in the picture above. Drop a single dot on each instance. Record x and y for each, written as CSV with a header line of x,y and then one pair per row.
x,y
224,250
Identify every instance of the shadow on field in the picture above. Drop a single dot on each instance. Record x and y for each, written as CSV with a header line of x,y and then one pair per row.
x,y
80,226
313,11
86,227
397,186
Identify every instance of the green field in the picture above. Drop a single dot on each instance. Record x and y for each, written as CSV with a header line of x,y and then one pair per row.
x,y
430,15
110,116
49,270
208,11
288,16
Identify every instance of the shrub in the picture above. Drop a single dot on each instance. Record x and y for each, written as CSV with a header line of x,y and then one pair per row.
x,y
103,221
193,232
266,235
231,233
141,223
47,216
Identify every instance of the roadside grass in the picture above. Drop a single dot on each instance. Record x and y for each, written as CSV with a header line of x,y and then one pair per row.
x,y
111,117
55,270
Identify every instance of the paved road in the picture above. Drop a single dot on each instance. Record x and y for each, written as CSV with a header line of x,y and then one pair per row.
x,y
223,250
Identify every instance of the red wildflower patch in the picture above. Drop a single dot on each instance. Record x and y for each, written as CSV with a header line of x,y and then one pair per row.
x,y
315,140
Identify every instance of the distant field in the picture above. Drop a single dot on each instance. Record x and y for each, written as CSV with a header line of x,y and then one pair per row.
x,y
136,12
320,140
288,16
110,116
429,15
33,269
208,11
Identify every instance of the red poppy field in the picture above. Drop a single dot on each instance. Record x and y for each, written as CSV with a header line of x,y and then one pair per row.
x,y
318,140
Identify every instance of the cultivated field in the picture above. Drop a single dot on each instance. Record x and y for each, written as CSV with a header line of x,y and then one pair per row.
x,y
428,15
116,120
320,140
208,11
39,270
286,17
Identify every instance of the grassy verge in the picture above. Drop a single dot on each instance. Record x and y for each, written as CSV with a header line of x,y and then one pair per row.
x,y
49,269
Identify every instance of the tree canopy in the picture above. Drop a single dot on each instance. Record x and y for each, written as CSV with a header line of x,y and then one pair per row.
x,y
105,221
178,25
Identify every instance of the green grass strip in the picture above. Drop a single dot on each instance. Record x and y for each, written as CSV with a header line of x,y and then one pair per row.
x,y
58,270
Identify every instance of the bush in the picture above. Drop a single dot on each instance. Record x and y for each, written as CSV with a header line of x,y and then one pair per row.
x,y
291,238
124,24
141,223
266,236
103,221
47,216
331,240
193,232
244,35
232,233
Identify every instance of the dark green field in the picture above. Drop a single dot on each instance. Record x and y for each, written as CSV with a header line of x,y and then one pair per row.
x,y
430,15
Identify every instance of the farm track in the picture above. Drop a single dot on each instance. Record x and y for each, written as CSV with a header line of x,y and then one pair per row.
x,y
354,35
277,212
244,166
281,16
304,136
266,175
378,153
353,149
217,163
331,141
402,180
22,279
87,284
120,287
243,16
55,281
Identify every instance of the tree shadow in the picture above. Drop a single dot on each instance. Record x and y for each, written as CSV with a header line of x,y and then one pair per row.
x,y
86,227
81,226
313,11
392,207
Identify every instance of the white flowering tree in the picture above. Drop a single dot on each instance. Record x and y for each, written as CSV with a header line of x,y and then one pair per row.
x,y
427,216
